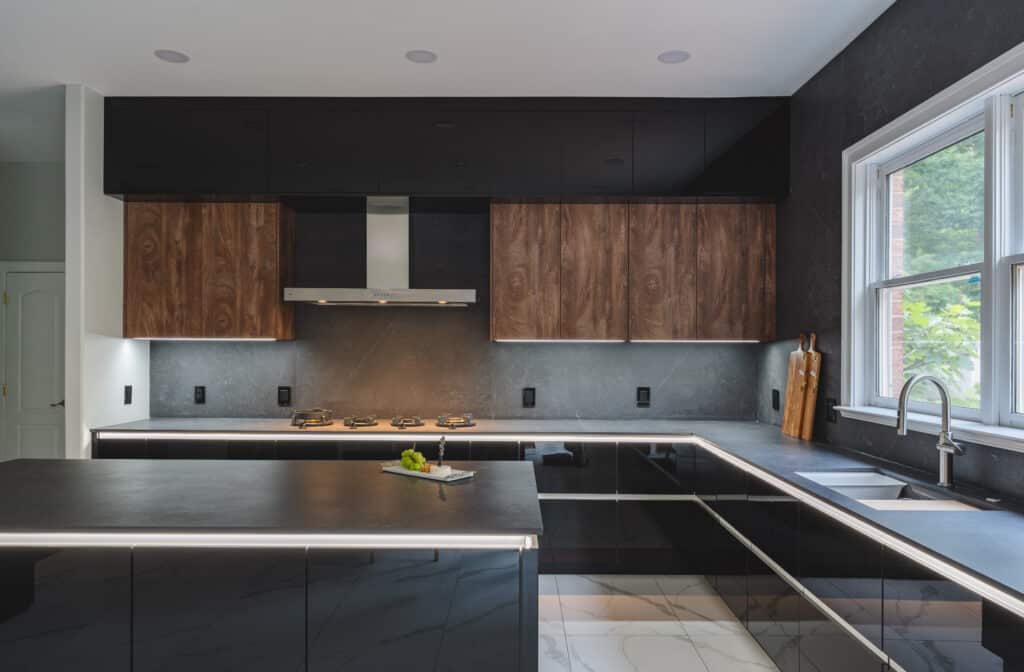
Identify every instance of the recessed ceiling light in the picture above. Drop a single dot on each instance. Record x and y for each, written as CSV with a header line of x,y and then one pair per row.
x,y
171,56
674,56
421,56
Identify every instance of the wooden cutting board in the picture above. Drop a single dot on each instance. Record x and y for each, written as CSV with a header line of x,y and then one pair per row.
x,y
812,371
792,415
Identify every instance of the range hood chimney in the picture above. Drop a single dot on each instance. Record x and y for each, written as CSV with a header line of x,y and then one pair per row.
x,y
387,267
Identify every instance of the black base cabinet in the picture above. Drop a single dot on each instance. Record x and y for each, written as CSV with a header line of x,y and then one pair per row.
x,y
65,610
216,609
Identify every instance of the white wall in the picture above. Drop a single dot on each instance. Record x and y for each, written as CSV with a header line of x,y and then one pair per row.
x,y
99,362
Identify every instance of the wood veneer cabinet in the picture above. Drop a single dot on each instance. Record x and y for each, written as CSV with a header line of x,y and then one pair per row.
x,y
647,271
594,271
662,271
736,271
207,270
525,270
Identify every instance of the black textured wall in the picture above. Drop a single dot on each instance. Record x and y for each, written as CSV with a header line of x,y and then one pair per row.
x,y
911,52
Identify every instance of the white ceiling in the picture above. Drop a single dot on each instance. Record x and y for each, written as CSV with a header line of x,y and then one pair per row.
x,y
485,48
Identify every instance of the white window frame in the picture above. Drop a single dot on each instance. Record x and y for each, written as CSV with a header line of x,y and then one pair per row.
x,y
985,100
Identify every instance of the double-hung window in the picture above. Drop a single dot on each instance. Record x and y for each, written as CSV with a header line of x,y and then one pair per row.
x,y
933,241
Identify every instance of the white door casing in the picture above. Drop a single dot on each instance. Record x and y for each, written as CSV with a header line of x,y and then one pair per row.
x,y
33,355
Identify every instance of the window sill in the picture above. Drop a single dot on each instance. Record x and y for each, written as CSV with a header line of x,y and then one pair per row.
x,y
1007,438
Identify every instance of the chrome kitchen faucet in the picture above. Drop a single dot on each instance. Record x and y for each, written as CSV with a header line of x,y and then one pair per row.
x,y
946,446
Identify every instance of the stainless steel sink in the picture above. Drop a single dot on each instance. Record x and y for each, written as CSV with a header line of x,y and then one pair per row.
x,y
885,493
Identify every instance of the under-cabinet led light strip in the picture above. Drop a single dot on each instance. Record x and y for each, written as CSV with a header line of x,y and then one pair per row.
x,y
454,436
266,540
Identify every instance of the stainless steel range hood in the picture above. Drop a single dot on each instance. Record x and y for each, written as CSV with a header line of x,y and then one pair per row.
x,y
387,267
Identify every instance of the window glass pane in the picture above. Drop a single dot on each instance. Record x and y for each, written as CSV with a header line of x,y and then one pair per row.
x,y
933,329
1018,338
937,210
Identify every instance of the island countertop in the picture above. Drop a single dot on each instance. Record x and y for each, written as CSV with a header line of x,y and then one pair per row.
x,y
263,502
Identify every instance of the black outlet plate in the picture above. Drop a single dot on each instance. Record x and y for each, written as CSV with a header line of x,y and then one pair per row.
x,y
529,397
776,403
831,414
199,394
284,395
643,397
127,395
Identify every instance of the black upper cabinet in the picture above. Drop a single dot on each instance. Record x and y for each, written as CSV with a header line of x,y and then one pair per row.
x,y
597,152
449,147
668,150
324,148
184,146
746,148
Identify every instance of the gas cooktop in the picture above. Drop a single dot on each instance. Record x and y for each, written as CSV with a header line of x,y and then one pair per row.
x,y
404,421
450,421
357,421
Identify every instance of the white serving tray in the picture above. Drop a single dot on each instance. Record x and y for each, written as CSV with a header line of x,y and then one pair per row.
x,y
456,475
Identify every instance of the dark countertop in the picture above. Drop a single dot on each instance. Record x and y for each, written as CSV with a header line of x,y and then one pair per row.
x,y
988,544
286,497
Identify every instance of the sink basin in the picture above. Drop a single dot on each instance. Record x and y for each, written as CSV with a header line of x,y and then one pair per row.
x,y
884,493
858,484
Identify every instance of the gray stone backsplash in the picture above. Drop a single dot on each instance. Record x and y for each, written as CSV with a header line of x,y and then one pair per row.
x,y
388,361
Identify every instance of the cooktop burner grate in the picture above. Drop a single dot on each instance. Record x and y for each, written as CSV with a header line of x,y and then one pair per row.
x,y
455,421
356,421
402,422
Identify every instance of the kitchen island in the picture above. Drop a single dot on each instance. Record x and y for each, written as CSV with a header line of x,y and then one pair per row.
x,y
265,565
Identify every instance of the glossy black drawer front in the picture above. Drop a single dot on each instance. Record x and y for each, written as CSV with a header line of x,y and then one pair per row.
x,y
581,468
65,610
579,537
202,610
656,468
931,623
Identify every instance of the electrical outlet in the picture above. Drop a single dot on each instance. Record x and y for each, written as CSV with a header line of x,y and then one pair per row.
x,y
284,395
643,397
529,397
776,402
831,414
199,394
127,395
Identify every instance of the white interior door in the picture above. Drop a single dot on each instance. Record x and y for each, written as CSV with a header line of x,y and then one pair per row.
x,y
33,366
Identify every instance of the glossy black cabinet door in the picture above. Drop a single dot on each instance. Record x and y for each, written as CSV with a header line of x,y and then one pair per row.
x,y
378,610
597,152
176,449
746,148
772,524
826,646
219,610
724,488
110,449
668,150
656,468
580,468
1001,634
580,537
843,568
320,147
930,623
485,450
659,537
184,146
65,610
315,450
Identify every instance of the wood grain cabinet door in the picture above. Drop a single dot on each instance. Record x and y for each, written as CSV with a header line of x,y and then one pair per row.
x,y
162,270
524,270
736,271
594,271
662,271
207,270
244,247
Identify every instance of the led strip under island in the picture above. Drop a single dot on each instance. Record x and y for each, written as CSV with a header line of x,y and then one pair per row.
x,y
944,568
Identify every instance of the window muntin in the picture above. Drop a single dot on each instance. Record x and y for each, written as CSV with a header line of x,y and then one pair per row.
x,y
932,328
936,210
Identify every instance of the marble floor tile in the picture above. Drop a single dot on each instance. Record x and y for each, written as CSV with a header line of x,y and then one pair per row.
x,y
633,653
698,607
615,605
549,608
732,653
553,653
